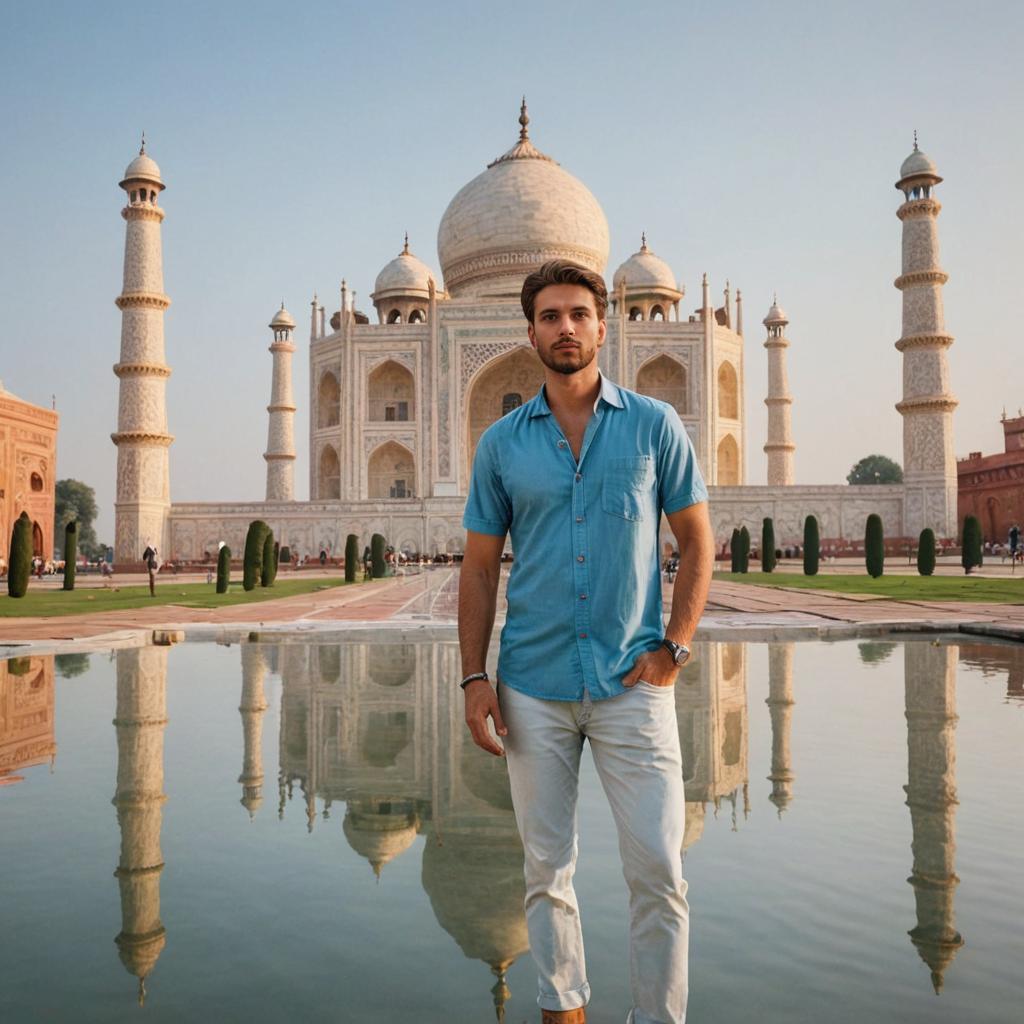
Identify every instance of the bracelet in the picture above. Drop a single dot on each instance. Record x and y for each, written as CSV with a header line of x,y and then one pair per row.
x,y
473,677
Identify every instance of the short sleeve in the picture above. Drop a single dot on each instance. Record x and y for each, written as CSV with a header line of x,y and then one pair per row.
x,y
680,483
488,507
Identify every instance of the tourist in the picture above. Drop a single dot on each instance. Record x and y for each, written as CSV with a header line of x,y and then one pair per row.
x,y
583,654
149,557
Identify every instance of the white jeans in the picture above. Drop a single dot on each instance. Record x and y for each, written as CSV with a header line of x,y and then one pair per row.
x,y
635,743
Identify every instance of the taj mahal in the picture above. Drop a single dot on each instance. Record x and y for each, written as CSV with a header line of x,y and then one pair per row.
x,y
397,406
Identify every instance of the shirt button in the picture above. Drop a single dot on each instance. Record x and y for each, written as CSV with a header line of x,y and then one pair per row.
x,y
579,519
583,636
583,597
579,476
579,558
561,444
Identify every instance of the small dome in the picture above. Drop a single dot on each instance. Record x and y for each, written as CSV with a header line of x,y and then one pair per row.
x,y
406,274
917,163
143,168
645,272
283,320
776,315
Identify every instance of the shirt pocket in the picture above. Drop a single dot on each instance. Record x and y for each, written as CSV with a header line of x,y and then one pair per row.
x,y
628,487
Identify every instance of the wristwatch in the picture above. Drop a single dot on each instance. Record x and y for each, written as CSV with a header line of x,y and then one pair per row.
x,y
680,652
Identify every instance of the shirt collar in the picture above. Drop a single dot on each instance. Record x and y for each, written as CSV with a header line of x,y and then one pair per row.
x,y
609,394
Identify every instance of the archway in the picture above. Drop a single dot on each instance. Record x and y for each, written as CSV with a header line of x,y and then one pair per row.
x,y
728,462
390,393
518,372
391,664
37,540
391,472
665,378
329,475
328,402
728,392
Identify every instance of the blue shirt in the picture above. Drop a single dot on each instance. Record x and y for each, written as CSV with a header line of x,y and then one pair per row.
x,y
584,595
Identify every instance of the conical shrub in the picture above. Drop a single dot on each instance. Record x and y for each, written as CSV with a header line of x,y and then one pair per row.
x,y
874,546
734,550
744,549
767,545
377,545
223,569
812,545
926,552
252,560
70,554
268,568
20,567
970,555
351,557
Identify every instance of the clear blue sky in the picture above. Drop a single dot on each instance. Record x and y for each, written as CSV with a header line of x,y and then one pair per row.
x,y
756,141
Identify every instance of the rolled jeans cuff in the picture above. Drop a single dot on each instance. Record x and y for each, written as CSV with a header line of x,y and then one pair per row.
x,y
571,1000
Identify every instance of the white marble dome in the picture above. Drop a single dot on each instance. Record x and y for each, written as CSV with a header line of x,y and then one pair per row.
x,y
283,320
404,275
143,168
520,212
776,315
645,272
917,164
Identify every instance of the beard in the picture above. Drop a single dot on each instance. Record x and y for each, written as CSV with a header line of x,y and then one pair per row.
x,y
567,361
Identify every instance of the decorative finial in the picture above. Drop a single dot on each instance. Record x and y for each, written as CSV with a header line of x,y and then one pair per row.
x,y
524,120
405,248
282,303
643,241
142,148
775,298
915,140
142,983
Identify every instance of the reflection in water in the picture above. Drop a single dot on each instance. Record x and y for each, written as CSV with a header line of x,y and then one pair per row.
x,y
26,716
780,706
140,723
993,659
251,707
930,687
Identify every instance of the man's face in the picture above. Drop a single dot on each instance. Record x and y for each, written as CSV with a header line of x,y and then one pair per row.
x,y
566,330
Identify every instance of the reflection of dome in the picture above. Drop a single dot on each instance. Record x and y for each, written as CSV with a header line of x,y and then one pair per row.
x,y
380,830
283,320
521,211
493,927
645,272
404,275
139,954
486,777
143,168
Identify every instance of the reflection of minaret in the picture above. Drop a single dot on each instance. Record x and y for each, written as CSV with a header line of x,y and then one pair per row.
x,y
141,718
252,706
780,706
931,797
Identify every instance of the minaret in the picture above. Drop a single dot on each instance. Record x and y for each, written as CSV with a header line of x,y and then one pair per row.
x,y
143,485
280,453
929,464
252,707
140,722
780,708
779,447
930,703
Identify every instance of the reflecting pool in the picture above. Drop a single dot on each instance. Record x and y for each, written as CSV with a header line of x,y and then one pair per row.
x,y
304,831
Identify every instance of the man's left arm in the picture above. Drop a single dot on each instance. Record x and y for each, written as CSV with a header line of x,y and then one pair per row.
x,y
692,529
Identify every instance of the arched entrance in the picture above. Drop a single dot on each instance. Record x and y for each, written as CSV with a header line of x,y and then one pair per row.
x,y
391,472
329,475
518,372
390,393
664,378
728,392
728,462
37,540
328,401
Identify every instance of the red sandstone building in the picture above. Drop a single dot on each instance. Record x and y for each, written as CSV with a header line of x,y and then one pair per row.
x,y
991,487
28,471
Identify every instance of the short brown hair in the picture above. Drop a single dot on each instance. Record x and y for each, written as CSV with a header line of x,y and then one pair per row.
x,y
563,272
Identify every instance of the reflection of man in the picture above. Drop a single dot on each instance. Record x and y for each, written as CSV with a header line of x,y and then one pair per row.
x,y
580,476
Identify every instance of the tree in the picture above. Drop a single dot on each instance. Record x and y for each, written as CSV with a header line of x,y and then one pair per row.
x,y
268,569
70,554
734,550
811,545
20,567
284,555
252,560
68,666
926,552
377,544
351,557
874,546
75,501
767,545
970,545
875,469
744,549
223,569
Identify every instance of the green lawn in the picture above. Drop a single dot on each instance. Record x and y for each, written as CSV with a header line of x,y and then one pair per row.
x,y
901,588
39,602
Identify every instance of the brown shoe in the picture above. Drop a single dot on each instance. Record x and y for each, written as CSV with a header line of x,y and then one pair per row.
x,y
577,1016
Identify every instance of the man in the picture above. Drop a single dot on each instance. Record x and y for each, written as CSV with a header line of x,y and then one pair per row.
x,y
580,475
